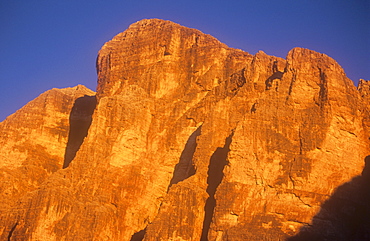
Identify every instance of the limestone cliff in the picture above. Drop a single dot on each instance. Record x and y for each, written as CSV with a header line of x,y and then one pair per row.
x,y
33,143
193,140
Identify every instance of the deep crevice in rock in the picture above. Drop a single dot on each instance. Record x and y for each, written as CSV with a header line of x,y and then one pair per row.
x,y
323,94
270,80
215,176
185,168
276,75
12,231
79,124
292,82
138,236
237,80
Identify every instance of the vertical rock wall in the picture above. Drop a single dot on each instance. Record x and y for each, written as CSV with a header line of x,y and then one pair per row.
x,y
192,140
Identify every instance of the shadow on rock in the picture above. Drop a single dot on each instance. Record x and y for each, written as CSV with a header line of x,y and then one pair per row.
x,y
345,215
80,120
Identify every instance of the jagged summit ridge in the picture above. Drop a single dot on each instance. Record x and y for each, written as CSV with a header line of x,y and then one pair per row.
x,y
193,140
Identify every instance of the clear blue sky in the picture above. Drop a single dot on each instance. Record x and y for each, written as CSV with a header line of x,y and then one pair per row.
x,y
54,43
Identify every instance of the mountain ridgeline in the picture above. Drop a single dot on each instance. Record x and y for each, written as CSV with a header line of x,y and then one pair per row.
x,y
188,139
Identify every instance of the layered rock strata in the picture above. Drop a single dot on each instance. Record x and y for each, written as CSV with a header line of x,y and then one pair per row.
x,y
193,140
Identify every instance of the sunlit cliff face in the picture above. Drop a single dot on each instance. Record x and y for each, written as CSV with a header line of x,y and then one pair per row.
x,y
188,139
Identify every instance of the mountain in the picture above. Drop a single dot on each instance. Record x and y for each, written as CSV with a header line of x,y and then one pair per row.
x,y
188,139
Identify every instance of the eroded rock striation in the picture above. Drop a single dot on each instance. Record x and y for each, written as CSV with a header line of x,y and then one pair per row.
x,y
193,140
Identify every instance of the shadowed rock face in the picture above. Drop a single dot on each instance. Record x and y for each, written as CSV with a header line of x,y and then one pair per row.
x,y
79,124
345,215
192,140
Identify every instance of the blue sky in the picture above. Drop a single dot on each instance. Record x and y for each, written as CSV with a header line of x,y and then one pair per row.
x,y
48,43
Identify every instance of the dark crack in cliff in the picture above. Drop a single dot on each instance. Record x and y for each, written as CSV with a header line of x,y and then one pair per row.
x,y
138,236
215,176
185,168
79,124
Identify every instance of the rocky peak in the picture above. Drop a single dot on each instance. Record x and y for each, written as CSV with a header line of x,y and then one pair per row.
x,y
155,45
192,140
33,142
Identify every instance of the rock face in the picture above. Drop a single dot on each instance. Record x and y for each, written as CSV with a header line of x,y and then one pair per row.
x,y
192,140
33,142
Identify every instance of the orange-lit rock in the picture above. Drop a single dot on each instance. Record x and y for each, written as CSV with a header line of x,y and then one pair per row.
x,y
33,143
192,140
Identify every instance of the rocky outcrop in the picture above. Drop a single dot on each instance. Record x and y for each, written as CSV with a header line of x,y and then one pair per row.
x,y
192,140
33,142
